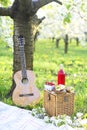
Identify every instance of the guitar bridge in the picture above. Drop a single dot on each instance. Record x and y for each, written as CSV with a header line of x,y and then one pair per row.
x,y
25,95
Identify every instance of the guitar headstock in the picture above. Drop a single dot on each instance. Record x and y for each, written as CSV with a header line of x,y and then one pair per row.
x,y
21,40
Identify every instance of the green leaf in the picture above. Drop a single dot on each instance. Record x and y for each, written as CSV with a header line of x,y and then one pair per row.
x,y
83,7
67,18
68,6
5,2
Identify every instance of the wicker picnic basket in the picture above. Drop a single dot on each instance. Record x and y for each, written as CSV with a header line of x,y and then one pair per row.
x,y
58,103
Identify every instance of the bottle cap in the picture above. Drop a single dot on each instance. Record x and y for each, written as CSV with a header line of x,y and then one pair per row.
x,y
61,66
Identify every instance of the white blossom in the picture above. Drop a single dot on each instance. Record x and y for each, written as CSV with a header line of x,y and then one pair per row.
x,y
79,114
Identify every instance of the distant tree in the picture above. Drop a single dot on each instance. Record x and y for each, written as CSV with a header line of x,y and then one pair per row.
x,y
76,39
57,42
53,38
63,20
85,36
66,40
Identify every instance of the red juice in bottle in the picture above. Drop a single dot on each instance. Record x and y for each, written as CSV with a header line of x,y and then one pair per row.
x,y
61,76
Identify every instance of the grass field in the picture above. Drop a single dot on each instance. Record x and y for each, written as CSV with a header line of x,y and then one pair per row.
x,y
47,59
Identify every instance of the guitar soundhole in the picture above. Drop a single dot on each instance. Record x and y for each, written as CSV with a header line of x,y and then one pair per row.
x,y
24,80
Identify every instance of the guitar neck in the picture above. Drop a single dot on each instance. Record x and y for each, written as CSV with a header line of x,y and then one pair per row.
x,y
22,56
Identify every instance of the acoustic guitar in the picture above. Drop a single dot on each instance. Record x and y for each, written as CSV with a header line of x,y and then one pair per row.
x,y
25,92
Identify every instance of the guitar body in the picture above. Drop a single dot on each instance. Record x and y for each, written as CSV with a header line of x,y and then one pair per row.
x,y
25,93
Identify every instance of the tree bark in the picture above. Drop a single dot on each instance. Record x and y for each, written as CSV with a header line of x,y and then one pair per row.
x,y
24,28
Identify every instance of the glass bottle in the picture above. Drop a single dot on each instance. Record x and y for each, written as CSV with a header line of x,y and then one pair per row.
x,y
61,76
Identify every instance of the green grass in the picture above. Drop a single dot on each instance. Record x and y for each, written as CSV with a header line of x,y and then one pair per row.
x,y
47,59
5,69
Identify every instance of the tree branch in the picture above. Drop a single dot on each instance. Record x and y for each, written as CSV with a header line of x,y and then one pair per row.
x,y
5,11
41,19
40,3
36,21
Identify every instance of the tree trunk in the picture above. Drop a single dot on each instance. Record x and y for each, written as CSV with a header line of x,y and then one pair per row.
x,y
22,27
57,42
66,40
77,41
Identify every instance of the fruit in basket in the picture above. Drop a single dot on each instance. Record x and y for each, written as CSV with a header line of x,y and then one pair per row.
x,y
60,87
50,86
